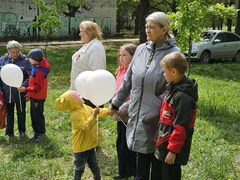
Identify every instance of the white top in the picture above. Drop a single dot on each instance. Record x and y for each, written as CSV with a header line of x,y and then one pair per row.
x,y
91,56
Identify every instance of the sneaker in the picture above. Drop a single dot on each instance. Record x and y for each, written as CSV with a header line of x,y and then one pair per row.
x,y
40,137
9,134
120,177
22,135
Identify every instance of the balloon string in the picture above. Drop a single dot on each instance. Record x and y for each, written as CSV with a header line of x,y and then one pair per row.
x,y
97,129
10,95
20,101
125,124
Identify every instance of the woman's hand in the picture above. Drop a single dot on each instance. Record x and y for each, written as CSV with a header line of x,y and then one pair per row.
x,y
170,158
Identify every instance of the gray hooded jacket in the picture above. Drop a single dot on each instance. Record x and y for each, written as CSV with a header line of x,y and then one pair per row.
x,y
146,85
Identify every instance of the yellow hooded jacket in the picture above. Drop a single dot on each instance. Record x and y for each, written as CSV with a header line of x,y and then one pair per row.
x,y
84,127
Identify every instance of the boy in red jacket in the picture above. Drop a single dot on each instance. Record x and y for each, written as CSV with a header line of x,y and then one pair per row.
x,y
177,117
37,91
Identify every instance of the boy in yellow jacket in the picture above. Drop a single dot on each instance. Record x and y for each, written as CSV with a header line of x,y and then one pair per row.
x,y
84,131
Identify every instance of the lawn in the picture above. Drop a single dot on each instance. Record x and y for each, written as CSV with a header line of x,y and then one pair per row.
x,y
216,142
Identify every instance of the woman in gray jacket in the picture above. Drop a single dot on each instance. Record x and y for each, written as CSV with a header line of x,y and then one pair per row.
x,y
146,83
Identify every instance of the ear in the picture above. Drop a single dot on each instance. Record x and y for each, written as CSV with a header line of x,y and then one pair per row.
x,y
174,71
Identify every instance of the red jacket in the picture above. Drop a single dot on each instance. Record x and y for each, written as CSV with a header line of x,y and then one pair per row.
x,y
177,117
38,82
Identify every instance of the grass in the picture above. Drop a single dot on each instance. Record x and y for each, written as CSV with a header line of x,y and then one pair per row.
x,y
215,150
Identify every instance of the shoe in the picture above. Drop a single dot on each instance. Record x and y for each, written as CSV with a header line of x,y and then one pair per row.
x,y
22,135
120,177
9,134
39,137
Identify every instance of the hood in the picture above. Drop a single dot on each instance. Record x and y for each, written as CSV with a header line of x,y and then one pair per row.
x,y
168,43
67,102
44,63
186,85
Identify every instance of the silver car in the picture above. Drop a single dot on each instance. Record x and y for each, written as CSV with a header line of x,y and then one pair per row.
x,y
216,44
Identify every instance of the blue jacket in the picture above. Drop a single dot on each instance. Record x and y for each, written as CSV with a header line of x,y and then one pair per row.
x,y
11,96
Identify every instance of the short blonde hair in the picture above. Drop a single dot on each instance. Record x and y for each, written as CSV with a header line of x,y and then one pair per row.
x,y
92,29
13,45
175,60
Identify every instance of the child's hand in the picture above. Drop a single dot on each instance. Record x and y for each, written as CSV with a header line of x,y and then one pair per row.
x,y
111,111
96,112
21,89
170,158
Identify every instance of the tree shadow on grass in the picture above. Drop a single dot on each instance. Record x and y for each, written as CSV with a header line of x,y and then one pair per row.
x,y
225,121
21,148
222,71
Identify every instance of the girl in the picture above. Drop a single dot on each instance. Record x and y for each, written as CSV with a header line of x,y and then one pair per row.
x,y
126,158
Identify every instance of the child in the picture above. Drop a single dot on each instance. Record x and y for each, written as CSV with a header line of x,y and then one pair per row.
x,y
37,91
84,132
177,117
126,158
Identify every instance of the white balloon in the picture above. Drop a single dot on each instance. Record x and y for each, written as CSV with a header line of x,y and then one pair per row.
x,y
101,87
80,83
12,75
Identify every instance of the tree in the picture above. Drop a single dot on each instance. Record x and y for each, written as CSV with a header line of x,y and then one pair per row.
x,y
237,29
48,19
192,17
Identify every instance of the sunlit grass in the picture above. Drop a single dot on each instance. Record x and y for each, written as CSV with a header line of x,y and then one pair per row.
x,y
216,140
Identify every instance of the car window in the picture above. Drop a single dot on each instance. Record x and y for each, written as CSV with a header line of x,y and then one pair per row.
x,y
207,35
231,37
220,36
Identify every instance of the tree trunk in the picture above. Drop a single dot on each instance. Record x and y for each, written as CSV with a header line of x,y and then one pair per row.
x,y
229,21
142,14
237,29
136,28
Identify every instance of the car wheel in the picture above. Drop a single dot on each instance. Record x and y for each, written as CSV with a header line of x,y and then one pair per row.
x,y
237,57
205,57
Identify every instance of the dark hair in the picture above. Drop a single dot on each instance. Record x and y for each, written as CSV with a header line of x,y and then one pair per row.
x,y
175,60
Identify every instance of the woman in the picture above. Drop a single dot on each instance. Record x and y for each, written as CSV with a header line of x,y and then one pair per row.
x,y
146,83
11,95
91,56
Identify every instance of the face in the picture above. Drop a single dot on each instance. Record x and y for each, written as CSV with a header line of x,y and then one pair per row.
x,y
32,61
124,57
14,53
169,74
83,35
154,32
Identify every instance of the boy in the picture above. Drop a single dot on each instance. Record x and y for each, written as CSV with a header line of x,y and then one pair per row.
x,y
37,91
84,132
177,117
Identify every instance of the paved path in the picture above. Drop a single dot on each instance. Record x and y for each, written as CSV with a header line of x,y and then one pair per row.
x,y
70,43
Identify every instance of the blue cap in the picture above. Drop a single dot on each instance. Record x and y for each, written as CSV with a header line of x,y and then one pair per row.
x,y
36,54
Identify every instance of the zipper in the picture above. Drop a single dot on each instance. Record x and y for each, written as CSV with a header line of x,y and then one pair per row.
x,y
142,88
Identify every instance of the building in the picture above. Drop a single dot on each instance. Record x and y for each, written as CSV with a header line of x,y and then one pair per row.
x,y
16,17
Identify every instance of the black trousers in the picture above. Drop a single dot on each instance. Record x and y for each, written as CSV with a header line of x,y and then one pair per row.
x,y
126,157
37,116
147,163
170,172
21,117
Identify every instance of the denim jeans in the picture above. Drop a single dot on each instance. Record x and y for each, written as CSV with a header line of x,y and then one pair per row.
x,y
80,159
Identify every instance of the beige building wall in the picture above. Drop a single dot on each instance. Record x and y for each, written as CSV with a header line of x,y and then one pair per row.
x,y
20,14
